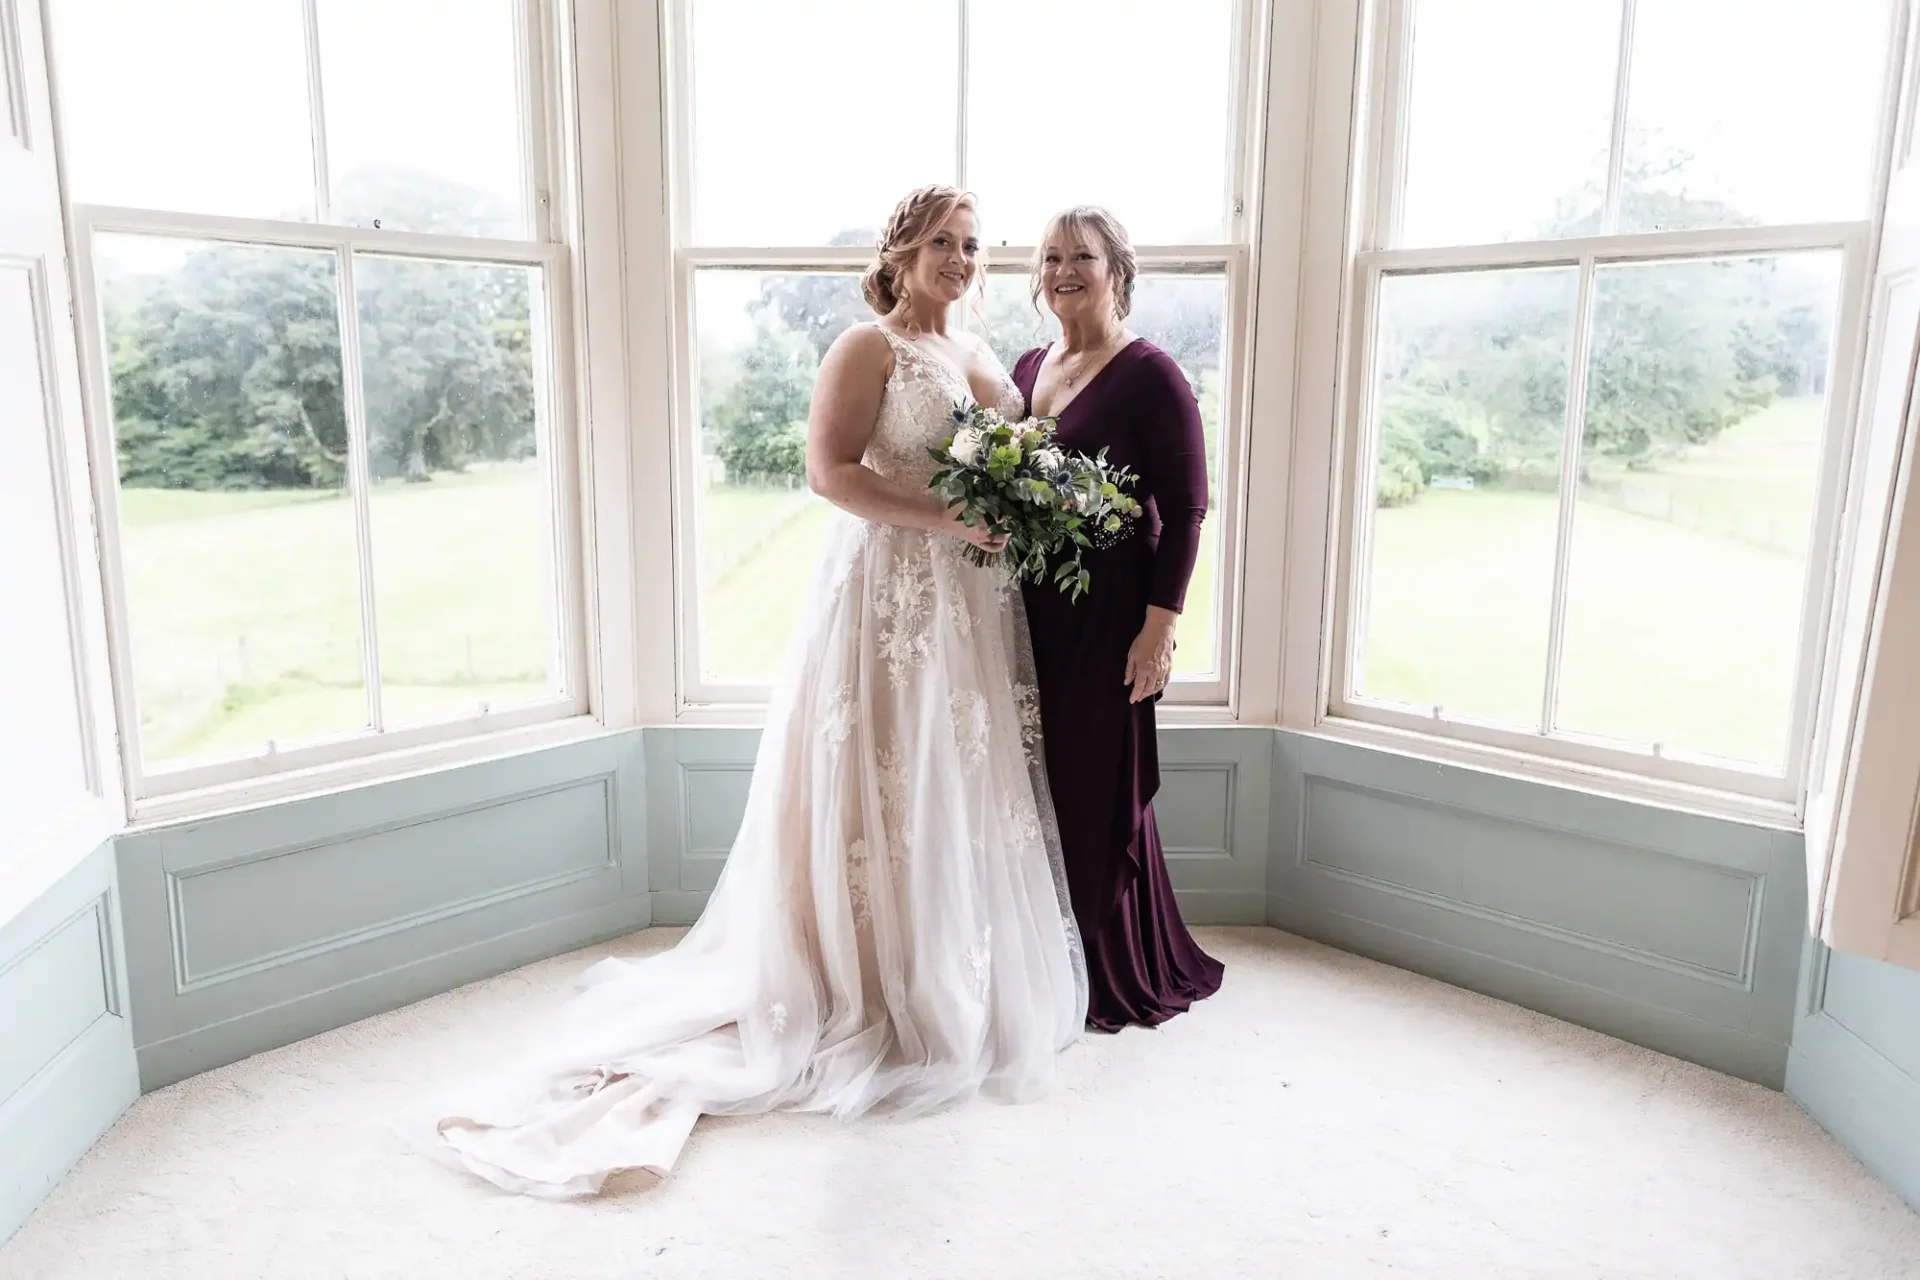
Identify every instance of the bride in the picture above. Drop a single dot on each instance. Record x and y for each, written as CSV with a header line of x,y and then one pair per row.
x,y
892,926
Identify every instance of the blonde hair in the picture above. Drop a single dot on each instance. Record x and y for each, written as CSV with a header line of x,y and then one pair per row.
x,y
915,220
1092,222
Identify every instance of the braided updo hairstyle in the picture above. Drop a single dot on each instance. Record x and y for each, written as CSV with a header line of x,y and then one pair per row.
x,y
914,221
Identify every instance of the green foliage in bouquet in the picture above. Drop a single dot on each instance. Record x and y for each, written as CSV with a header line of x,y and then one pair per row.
x,y
1011,478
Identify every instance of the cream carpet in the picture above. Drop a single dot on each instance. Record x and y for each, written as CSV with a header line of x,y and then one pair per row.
x,y
1324,1116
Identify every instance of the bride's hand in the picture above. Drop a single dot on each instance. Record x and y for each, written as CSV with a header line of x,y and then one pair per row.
x,y
979,536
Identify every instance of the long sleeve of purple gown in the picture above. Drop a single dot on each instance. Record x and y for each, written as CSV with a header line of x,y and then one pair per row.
x,y
1173,469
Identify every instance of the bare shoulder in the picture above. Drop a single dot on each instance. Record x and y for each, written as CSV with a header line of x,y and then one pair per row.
x,y
861,345
860,354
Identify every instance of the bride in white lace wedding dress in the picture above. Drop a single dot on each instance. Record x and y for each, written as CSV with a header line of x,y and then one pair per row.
x,y
892,926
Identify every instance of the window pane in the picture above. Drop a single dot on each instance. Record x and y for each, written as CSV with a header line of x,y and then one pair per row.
x,y
1764,115
237,532
1185,316
759,339
1469,411
194,105
423,114
1707,383
1481,167
811,121
1155,151
462,533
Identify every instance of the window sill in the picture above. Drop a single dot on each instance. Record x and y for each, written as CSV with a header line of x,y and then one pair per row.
x,y
341,775
1611,784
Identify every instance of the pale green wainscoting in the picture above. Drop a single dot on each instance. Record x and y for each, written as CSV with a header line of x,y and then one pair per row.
x,y
66,1050
1213,816
1674,931
1677,932
198,944
1856,1061
259,928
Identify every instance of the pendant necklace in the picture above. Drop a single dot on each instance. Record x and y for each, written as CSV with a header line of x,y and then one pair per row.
x,y
1074,377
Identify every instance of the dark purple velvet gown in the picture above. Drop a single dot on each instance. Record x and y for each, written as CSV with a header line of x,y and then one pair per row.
x,y
1103,762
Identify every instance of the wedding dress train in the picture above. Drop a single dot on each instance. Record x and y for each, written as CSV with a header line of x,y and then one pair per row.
x,y
892,925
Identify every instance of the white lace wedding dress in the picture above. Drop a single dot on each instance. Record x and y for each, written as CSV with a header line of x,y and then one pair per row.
x,y
892,926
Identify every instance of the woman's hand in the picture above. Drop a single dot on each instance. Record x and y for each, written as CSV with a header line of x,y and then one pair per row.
x,y
979,536
1150,659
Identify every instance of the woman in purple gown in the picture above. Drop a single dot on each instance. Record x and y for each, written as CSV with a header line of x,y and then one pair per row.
x,y
1104,660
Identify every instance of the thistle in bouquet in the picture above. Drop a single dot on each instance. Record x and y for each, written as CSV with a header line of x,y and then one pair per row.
x,y
1013,478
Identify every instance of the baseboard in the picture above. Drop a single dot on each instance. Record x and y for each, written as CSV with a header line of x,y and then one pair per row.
x,y
1862,1099
164,1062
678,906
1211,906
1722,1048
1197,906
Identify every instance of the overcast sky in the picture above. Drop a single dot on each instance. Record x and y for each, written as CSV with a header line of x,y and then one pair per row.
x,y
203,104
1512,103
812,118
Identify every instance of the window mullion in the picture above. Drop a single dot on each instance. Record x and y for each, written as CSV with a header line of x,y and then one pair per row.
x,y
966,72
103,462
530,69
557,559
1353,616
360,482
1394,67
1570,448
1635,246
1617,139
317,115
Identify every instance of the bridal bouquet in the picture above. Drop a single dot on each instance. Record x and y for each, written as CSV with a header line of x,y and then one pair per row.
x,y
1011,478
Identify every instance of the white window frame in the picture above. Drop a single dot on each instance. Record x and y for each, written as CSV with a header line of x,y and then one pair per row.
x,y
566,113
1365,45
1211,698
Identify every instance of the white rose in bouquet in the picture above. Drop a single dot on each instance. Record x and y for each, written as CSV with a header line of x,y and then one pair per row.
x,y
1049,459
966,446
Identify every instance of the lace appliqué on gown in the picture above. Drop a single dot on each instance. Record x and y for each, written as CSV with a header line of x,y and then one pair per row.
x,y
972,723
836,722
905,609
1026,697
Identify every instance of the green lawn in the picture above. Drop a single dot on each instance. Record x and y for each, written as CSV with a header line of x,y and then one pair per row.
x,y
1754,484
1682,620
1682,626
246,615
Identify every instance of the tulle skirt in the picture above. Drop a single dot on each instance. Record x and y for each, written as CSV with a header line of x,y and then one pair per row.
x,y
892,927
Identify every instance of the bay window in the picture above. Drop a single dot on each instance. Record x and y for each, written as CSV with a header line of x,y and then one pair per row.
x,y
775,213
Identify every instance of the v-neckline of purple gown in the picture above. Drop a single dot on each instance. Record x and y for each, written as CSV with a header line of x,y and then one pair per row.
x,y
1085,390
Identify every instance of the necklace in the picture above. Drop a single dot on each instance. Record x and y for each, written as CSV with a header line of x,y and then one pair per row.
x,y
1086,359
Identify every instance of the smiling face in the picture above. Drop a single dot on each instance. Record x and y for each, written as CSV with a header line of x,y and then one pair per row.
x,y
1084,269
949,262
1075,278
